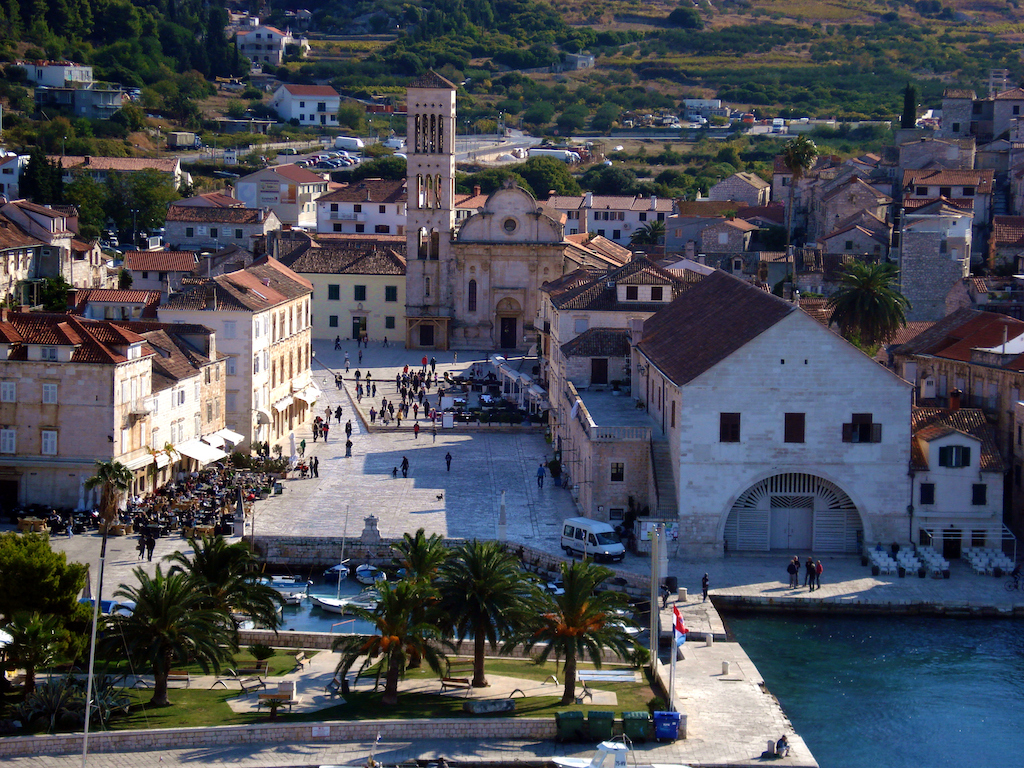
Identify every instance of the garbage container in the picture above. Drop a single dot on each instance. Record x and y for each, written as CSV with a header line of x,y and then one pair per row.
x,y
601,725
569,726
666,725
636,726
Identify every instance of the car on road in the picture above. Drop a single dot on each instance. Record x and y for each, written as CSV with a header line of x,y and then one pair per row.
x,y
288,151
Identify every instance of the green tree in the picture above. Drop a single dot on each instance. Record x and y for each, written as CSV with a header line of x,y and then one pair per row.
x,y
353,117
867,307
40,180
581,622
89,197
798,155
114,480
147,192
909,117
36,641
539,113
172,624
420,555
397,635
605,117
228,575
53,294
572,119
685,18
33,577
651,233
485,595
544,174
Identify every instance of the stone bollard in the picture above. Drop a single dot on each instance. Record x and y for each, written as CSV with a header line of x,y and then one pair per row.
x,y
682,595
709,640
725,667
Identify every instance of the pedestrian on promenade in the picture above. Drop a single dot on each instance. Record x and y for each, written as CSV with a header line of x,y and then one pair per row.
x,y
405,466
704,583
360,357
374,393
142,546
793,569
316,431
337,380
416,430
415,410
348,428
373,415
316,466
302,448
385,342
423,364
433,432
540,475
325,429
337,414
337,342
394,473
810,573
447,458
433,364
818,568
150,546
398,419
327,414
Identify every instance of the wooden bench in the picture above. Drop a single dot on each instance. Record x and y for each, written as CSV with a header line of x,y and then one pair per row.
x,y
267,698
247,684
300,659
458,675
261,668
179,676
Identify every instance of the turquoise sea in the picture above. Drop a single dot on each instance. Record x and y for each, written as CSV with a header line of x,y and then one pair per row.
x,y
895,692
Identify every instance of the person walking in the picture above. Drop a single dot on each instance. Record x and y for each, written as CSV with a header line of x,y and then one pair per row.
x,y
423,364
793,569
398,419
447,458
360,357
302,448
325,429
704,583
405,466
150,546
337,414
316,466
433,432
433,364
416,431
540,475
142,546
373,415
337,342
348,428
818,568
810,574
327,414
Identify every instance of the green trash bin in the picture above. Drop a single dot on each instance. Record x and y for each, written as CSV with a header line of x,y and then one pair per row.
x,y
569,726
636,726
601,725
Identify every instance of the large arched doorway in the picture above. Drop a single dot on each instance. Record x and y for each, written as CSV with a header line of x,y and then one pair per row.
x,y
794,512
509,313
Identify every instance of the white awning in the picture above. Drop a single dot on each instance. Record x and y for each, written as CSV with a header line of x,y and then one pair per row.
x,y
230,435
283,403
200,451
215,440
138,462
308,395
162,460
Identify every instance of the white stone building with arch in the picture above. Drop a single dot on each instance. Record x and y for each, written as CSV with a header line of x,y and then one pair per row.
x,y
783,437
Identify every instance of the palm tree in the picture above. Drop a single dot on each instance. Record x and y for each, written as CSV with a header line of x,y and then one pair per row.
x,y
421,556
485,594
173,623
866,307
36,640
651,233
228,575
798,155
579,622
398,634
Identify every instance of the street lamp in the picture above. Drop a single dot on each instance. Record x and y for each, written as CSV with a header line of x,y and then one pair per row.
x,y
135,239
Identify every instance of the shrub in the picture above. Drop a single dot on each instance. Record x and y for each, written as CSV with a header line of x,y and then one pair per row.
x,y
261,651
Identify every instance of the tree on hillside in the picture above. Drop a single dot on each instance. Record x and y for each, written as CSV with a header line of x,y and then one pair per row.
x,y
147,192
798,155
89,197
40,179
172,625
909,117
485,595
867,307
544,174
397,635
581,622
685,18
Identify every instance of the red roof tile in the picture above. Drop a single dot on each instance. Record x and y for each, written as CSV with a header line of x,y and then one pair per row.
x,y
934,177
310,90
368,191
160,261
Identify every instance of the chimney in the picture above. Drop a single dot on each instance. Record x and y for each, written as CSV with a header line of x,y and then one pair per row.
x,y
588,200
654,202
636,330
88,159
954,400
476,190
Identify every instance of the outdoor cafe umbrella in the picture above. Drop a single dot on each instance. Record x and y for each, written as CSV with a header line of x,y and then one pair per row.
x,y
5,639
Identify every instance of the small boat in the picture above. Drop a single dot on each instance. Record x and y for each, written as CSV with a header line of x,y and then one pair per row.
x,y
619,752
329,604
336,572
369,574
291,588
367,600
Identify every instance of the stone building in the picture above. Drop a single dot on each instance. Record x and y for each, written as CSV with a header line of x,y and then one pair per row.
x,y
726,236
195,228
747,188
262,317
934,256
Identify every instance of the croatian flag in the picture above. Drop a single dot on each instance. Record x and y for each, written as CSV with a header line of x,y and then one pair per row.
x,y
679,630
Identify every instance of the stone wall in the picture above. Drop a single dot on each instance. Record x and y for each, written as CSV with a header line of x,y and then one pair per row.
x,y
263,733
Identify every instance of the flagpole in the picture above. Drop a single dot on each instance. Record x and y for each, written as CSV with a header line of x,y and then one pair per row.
x,y
672,670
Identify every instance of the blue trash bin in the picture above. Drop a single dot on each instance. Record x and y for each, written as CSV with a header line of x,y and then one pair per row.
x,y
666,725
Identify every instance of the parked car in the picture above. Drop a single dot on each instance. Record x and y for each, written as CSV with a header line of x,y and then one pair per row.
x,y
288,151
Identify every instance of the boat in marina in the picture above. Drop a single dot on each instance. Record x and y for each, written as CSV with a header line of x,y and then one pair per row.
x,y
337,572
619,753
369,574
367,600
291,588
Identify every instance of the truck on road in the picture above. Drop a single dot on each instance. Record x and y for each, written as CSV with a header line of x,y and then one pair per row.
x,y
182,140
565,155
348,142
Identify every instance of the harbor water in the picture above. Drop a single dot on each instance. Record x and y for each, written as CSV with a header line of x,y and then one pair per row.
x,y
899,692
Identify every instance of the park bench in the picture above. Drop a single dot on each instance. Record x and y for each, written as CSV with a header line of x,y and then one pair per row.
x,y
300,659
261,668
265,699
457,675
179,676
246,683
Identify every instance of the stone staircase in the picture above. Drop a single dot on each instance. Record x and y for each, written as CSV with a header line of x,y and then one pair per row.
x,y
1000,198
664,478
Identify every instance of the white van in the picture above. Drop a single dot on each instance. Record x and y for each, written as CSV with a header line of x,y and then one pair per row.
x,y
591,538
348,142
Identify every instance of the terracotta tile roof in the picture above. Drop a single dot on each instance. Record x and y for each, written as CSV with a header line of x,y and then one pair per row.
x,y
471,202
84,297
211,200
13,236
1008,230
173,359
431,79
598,342
707,323
601,245
565,202
43,210
704,208
859,183
160,261
934,177
310,90
953,337
368,191
978,284
353,259
1013,94
959,204
127,164
294,173
596,295
881,238
192,213
395,241
775,213
959,93
749,178
95,341
569,281
927,424
818,308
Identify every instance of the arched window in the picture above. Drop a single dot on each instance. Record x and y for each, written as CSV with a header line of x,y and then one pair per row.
x,y
471,296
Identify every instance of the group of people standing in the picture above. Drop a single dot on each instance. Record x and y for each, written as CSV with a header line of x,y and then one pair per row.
x,y
812,573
